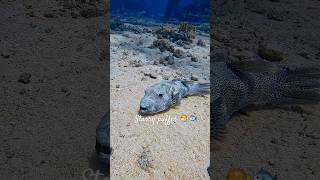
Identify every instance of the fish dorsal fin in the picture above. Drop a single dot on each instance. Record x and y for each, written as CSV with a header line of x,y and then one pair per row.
x,y
253,66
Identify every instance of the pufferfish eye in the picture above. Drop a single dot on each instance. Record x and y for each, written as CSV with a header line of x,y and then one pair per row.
x,y
160,95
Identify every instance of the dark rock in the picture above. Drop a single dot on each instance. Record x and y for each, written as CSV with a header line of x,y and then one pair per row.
x,y
156,62
194,59
170,60
24,78
194,78
180,43
152,76
185,33
201,43
178,53
163,45
136,63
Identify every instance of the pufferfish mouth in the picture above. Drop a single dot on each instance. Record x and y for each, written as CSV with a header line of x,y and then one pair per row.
x,y
145,112
150,112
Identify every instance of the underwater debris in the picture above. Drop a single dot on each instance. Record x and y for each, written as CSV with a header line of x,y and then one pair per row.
x,y
144,160
163,45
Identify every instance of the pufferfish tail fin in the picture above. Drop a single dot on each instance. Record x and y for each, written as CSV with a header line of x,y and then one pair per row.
x,y
196,88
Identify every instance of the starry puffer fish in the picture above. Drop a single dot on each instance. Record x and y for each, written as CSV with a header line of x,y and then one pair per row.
x,y
161,96
102,147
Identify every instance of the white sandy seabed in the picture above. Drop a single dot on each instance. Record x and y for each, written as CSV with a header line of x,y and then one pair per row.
x,y
160,146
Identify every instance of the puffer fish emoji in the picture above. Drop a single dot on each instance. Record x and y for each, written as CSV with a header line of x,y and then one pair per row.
x,y
264,175
238,174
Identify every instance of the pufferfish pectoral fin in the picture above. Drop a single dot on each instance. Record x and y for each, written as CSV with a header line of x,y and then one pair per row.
x,y
218,119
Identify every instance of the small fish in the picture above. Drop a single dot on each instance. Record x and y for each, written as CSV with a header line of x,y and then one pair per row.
x,y
264,175
238,174
166,94
102,147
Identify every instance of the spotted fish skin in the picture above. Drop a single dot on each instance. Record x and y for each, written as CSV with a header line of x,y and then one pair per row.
x,y
232,89
102,147
161,96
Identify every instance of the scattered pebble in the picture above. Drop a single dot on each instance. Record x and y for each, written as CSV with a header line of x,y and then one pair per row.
x,y
194,59
152,76
169,60
144,161
178,53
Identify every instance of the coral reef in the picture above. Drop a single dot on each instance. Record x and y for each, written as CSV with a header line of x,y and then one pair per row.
x,y
185,33
163,45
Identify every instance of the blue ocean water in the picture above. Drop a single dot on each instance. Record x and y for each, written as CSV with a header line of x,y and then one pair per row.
x,y
166,10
